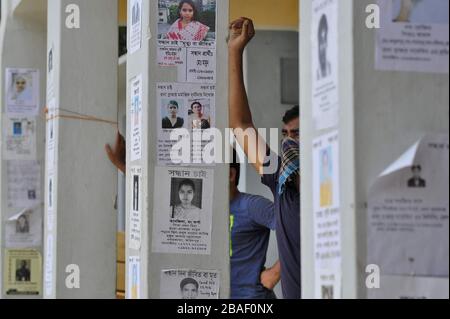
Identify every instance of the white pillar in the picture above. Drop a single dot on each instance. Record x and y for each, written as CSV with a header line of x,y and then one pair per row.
x,y
80,224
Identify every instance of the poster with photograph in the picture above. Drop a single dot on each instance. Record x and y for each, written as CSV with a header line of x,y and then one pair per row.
x,y
184,106
23,184
136,118
24,228
190,284
325,64
22,273
134,277
413,36
136,26
19,138
326,202
22,92
408,218
51,137
182,217
51,73
187,23
328,284
135,231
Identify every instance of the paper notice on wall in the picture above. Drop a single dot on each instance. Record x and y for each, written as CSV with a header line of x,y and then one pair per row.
x,y
49,265
199,66
136,26
326,197
23,184
408,218
19,138
325,64
136,209
23,228
190,284
171,56
22,91
182,216
134,277
136,118
52,134
328,284
51,73
184,106
187,24
413,36
403,287
22,274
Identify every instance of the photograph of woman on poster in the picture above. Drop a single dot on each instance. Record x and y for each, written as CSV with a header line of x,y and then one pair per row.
x,y
197,118
187,27
185,207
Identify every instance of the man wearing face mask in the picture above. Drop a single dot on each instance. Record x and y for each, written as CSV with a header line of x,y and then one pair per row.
x,y
285,181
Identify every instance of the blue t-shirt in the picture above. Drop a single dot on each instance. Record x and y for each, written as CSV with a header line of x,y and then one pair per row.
x,y
287,213
251,219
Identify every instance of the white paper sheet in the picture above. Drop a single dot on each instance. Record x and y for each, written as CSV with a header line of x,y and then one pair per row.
x,y
22,91
408,218
135,26
136,118
190,284
134,277
182,216
413,36
325,64
23,229
23,184
19,135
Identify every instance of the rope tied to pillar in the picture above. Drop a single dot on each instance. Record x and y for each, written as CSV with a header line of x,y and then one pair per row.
x,y
71,115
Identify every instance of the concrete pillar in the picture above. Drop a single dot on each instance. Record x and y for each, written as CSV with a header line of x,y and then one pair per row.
x,y
22,45
144,62
381,114
80,223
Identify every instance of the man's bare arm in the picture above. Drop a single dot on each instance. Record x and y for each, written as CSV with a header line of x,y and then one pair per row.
x,y
254,146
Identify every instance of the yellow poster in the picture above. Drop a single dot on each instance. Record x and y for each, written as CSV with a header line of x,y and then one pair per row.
x,y
22,274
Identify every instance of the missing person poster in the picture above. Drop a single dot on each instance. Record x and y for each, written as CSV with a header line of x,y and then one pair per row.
x,y
184,106
182,217
326,196
327,220
24,228
22,273
135,230
325,64
413,36
408,218
187,23
134,277
136,118
23,184
198,67
51,137
190,284
19,138
22,91
136,26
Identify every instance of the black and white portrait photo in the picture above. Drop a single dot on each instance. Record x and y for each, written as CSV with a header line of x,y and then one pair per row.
x,y
322,39
23,272
186,199
416,181
136,193
22,224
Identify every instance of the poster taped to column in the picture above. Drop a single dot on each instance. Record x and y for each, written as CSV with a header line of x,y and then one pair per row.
x,y
49,265
325,64
408,218
326,197
182,217
199,66
136,118
187,25
51,137
19,136
413,36
136,26
134,277
23,184
184,106
22,273
190,284
24,228
135,230
22,92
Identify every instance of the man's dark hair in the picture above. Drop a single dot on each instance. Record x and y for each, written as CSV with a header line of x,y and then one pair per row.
x,y
174,103
292,114
187,281
237,166
186,182
323,26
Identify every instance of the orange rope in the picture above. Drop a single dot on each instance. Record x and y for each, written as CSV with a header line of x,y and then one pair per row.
x,y
77,116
